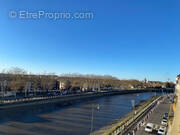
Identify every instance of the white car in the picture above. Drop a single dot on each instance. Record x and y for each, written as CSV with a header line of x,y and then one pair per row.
x,y
161,130
164,122
149,127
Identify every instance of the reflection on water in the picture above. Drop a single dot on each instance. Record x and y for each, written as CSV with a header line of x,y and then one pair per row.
x,y
70,120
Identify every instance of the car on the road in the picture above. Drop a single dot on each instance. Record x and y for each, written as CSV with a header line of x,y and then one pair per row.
x,y
54,94
30,94
161,130
164,122
165,118
49,94
149,127
165,115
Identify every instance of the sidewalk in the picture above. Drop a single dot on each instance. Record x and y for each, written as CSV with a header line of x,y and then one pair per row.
x,y
176,122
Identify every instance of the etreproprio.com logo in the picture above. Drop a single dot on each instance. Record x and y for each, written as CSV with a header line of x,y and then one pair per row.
x,y
22,14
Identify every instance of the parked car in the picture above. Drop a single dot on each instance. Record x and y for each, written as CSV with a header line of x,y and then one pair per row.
x,y
149,127
54,94
165,118
161,130
30,94
49,94
9,94
165,115
164,122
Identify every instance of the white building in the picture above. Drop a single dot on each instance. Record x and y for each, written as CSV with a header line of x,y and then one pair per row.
x,y
62,85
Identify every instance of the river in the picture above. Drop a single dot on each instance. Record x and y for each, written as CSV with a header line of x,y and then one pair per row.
x,y
71,120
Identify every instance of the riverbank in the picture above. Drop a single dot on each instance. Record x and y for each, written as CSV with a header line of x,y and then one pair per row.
x,y
122,124
68,99
75,119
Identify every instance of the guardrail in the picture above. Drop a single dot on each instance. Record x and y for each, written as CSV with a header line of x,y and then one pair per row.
x,y
121,127
11,101
26,99
29,99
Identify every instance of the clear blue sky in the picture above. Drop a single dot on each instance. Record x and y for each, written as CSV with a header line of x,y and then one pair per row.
x,y
126,38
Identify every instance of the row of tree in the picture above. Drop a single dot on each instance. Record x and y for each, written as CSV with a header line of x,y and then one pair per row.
x,y
16,79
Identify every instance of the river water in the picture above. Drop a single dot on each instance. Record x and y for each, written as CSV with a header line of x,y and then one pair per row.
x,y
71,120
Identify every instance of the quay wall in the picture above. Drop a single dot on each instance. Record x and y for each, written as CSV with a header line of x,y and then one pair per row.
x,y
20,108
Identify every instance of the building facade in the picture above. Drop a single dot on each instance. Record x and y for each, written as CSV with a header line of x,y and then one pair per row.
x,y
176,121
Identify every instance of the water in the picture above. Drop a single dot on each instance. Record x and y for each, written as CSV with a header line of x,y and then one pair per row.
x,y
71,120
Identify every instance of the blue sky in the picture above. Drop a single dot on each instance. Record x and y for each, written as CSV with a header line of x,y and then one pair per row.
x,y
126,38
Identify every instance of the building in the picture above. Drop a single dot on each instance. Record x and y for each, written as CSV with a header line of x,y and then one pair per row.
x,y
64,84
175,130
85,86
61,85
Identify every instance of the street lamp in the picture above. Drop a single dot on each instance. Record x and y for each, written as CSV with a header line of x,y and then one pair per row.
x,y
133,103
162,92
92,115
155,94
133,106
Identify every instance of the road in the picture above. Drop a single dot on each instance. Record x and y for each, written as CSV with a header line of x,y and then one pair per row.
x,y
156,116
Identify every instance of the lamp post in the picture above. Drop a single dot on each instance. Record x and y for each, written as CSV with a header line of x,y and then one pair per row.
x,y
92,118
92,115
133,104
162,92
